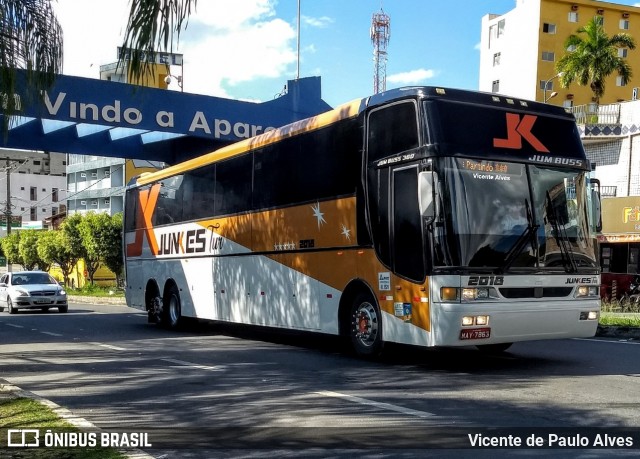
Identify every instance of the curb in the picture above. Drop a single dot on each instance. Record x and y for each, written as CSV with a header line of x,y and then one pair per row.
x,y
11,391
616,331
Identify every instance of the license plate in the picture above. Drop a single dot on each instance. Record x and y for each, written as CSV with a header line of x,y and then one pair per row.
x,y
475,333
42,301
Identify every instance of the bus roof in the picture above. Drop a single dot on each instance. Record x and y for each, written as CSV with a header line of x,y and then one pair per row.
x,y
344,111
352,109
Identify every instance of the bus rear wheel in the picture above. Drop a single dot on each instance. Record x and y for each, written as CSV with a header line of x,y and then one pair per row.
x,y
171,311
366,326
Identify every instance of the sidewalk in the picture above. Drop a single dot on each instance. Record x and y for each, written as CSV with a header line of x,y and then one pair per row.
x,y
117,300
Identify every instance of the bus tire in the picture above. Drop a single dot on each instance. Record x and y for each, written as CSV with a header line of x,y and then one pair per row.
x,y
365,328
171,310
498,348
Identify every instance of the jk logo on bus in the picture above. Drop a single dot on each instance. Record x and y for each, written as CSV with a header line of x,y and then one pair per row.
x,y
518,129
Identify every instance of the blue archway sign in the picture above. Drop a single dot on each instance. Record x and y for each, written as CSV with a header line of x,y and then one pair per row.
x,y
104,118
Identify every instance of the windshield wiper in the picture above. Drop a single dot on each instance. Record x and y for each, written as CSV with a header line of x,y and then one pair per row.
x,y
561,238
528,235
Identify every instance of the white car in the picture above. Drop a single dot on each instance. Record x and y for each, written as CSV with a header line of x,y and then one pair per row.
x,y
31,290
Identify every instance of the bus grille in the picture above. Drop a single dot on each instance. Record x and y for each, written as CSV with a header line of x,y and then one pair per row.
x,y
536,292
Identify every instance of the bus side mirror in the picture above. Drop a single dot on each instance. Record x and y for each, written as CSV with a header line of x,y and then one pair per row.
x,y
596,203
425,196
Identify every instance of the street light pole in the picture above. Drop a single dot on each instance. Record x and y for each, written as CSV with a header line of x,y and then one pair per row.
x,y
546,84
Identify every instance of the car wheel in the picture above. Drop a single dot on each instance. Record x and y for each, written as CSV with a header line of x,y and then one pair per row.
x,y
366,326
10,308
171,311
63,308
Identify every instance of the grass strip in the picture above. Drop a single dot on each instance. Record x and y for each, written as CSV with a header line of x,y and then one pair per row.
x,y
26,413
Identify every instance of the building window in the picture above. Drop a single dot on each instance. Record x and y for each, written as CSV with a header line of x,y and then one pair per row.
x,y
599,20
501,28
36,163
624,24
33,193
495,86
496,59
567,103
573,16
621,81
21,188
33,214
549,56
548,28
571,48
54,210
622,52
54,194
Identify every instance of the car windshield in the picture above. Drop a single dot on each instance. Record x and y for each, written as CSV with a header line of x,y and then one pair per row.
x,y
502,215
32,278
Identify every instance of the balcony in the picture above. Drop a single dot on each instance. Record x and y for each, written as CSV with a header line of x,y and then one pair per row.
x,y
597,114
608,191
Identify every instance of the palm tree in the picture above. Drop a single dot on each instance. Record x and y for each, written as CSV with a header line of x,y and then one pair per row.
x,y
152,26
30,39
592,56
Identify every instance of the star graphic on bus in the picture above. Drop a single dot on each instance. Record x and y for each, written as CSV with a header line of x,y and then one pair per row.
x,y
318,215
346,232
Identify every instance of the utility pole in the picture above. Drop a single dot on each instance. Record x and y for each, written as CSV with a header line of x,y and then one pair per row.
x,y
8,211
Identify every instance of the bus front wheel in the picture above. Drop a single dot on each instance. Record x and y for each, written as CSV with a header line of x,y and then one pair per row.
x,y
171,311
366,326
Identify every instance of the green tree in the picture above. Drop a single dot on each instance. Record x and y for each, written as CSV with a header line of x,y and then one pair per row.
x,y
11,247
55,247
71,229
30,39
594,57
28,249
112,247
94,230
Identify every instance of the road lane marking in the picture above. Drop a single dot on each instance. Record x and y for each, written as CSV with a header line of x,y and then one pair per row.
x,y
51,333
381,405
109,346
193,365
14,326
612,341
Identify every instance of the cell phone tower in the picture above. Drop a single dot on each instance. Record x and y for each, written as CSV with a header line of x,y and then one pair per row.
x,y
380,34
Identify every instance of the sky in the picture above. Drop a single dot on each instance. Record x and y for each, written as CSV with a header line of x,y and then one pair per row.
x,y
247,49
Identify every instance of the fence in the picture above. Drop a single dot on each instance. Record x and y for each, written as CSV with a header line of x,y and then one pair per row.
x,y
597,114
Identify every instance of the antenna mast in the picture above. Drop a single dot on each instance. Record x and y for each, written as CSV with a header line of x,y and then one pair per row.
x,y
380,33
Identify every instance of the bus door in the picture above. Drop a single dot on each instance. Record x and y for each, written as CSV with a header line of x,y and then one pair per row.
x,y
392,189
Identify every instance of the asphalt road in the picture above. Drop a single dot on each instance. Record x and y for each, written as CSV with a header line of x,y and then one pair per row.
x,y
238,390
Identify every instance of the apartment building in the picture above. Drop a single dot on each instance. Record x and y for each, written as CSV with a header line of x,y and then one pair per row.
x,y
519,49
32,187
96,183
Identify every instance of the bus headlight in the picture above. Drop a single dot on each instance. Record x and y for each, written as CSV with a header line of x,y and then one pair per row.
x,y
589,315
470,321
472,294
586,291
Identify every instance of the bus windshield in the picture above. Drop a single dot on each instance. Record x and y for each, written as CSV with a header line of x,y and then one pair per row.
x,y
508,216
